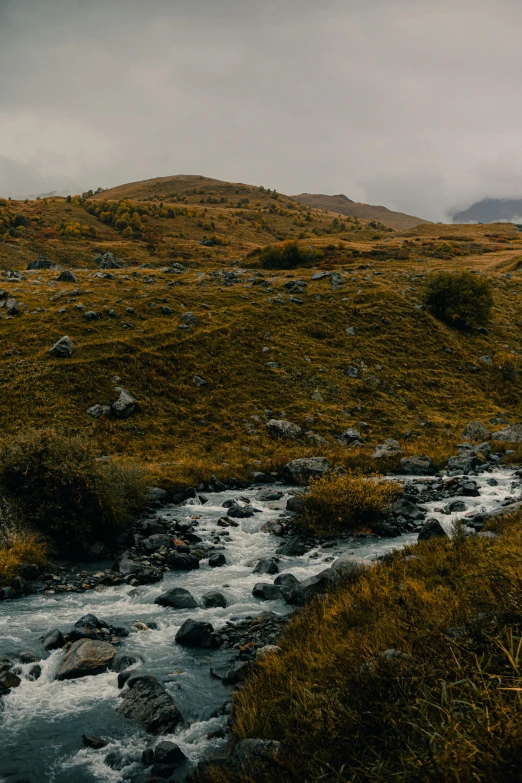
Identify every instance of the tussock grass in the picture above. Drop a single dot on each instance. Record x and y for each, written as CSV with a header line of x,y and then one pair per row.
x,y
348,502
18,547
53,483
449,708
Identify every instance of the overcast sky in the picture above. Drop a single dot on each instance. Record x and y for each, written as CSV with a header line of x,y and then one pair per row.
x,y
414,104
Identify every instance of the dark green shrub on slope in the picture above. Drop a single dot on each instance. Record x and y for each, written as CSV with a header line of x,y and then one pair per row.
x,y
459,299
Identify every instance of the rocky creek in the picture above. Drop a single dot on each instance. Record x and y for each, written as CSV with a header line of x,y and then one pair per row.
x,y
43,718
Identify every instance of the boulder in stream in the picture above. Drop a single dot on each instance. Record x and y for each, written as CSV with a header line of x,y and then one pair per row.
x,y
148,703
86,657
177,598
195,633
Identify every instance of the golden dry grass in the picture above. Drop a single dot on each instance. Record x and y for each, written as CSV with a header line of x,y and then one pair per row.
x,y
17,548
448,708
349,502
431,379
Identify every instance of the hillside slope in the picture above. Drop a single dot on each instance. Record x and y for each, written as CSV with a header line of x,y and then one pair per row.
x,y
345,206
263,347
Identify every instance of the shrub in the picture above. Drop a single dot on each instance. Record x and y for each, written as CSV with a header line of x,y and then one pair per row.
x,y
54,484
342,503
287,255
459,299
18,547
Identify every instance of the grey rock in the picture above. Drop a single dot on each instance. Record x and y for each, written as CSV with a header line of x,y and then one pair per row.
x,y
300,470
125,406
315,585
189,319
295,504
350,437
194,633
390,448
475,430
286,580
511,434
12,307
267,592
66,276
148,703
267,495
417,466
198,381
283,429
217,560
168,753
213,599
53,640
266,567
63,349
96,411
432,529
177,598
407,509
292,548
86,657
241,512
109,261
179,561
40,263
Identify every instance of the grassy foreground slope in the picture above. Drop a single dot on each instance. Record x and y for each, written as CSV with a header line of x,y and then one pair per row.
x,y
261,353
412,673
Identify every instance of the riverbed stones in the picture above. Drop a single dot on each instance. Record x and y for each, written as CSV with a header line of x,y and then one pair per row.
x,y
125,406
281,428
86,657
314,585
63,349
293,547
147,702
267,592
53,640
181,561
408,510
302,470
91,741
432,529
241,512
213,599
217,560
195,633
295,504
266,567
177,598
168,753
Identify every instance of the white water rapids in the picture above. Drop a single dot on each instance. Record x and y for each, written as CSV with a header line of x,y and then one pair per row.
x,y
42,721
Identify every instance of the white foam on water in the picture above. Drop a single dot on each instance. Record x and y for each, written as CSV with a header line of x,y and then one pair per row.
x,y
37,706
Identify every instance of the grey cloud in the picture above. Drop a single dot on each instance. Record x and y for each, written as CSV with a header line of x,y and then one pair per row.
x,y
411,104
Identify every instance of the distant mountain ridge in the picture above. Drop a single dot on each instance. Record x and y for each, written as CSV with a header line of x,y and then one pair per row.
x,y
491,210
345,206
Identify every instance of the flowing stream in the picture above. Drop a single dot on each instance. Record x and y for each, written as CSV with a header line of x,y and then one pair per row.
x,y
43,720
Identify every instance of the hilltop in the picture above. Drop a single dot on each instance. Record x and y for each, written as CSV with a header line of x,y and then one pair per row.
x,y
264,341
345,206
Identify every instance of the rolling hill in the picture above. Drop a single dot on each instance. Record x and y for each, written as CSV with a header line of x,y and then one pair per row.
x,y
345,206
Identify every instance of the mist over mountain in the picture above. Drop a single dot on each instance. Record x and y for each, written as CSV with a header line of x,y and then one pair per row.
x,y
491,210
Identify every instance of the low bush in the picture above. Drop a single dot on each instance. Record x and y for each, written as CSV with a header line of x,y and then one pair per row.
x,y
287,255
54,484
347,503
411,674
16,548
460,299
